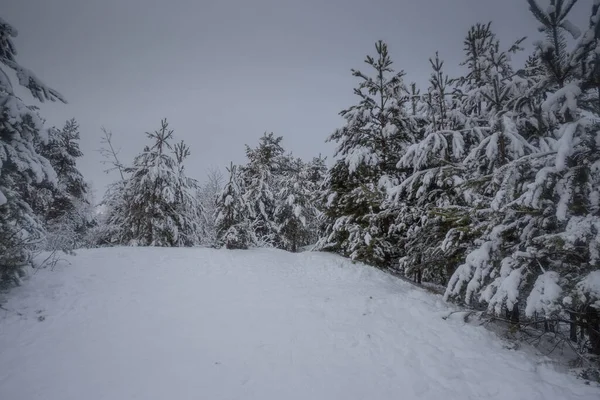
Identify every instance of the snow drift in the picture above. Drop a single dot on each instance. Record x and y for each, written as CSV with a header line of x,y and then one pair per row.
x,y
151,323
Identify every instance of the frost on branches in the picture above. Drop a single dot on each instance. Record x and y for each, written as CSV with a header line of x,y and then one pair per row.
x,y
233,214
270,201
486,183
22,168
67,209
544,244
156,203
294,210
369,146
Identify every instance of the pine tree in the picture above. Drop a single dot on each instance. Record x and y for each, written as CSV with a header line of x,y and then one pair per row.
x,y
233,214
155,204
540,252
294,209
261,185
429,200
68,215
191,215
467,132
21,167
368,147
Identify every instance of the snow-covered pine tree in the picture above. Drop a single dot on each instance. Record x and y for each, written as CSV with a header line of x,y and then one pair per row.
x,y
233,214
505,106
261,185
445,197
428,199
155,204
294,209
191,215
21,167
68,215
368,147
543,256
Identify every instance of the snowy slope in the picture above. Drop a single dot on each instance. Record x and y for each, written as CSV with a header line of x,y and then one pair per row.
x,y
144,323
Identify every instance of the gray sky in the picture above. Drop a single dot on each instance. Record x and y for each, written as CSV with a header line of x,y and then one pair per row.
x,y
225,71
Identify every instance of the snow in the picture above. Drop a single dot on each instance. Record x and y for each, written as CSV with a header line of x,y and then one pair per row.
x,y
564,189
359,156
567,94
331,198
589,289
152,323
545,295
5,84
565,145
571,28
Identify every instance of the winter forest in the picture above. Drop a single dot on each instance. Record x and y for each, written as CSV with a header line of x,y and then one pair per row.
x,y
483,187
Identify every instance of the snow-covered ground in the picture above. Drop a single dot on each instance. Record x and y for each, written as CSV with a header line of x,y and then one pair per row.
x,y
146,323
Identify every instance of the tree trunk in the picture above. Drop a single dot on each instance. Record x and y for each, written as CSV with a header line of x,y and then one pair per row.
x,y
573,327
593,328
514,314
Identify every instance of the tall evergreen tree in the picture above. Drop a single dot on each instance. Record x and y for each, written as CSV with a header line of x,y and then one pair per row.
x,y
540,253
294,209
368,147
22,169
68,215
465,137
432,174
261,185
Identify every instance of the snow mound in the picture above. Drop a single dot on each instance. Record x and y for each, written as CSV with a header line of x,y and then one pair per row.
x,y
149,323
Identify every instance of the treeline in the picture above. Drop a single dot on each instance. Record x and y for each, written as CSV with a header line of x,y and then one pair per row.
x,y
268,202
46,205
487,183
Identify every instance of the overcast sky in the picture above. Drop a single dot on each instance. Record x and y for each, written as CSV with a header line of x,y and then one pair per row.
x,y
225,71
